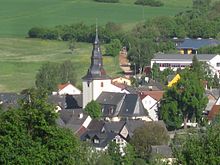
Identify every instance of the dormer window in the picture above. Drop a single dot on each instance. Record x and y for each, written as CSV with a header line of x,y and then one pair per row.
x,y
96,141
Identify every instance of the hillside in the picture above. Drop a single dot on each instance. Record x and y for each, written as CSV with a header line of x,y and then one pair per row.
x,y
21,58
17,17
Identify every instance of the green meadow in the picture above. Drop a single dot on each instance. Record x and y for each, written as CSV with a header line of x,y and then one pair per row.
x,y
18,16
20,57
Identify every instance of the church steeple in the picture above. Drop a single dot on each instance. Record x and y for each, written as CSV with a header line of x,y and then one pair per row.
x,y
96,70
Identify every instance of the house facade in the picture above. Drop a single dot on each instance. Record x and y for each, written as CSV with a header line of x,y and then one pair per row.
x,y
68,88
175,61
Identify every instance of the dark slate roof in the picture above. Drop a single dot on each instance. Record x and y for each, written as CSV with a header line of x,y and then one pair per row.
x,y
104,138
131,125
110,98
10,100
76,120
182,57
66,114
57,100
162,150
114,126
129,109
198,43
73,101
120,104
96,125
96,70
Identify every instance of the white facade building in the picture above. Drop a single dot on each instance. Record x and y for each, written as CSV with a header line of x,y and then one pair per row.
x,y
175,61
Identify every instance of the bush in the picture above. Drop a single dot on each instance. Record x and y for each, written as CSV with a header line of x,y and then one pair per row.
x,y
153,3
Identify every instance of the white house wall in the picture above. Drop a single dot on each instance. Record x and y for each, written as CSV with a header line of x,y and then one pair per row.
x,y
150,104
69,89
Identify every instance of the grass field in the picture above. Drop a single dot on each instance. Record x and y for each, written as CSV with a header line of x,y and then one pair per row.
x,y
18,16
21,58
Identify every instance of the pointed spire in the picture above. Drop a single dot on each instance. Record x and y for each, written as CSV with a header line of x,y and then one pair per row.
x,y
96,33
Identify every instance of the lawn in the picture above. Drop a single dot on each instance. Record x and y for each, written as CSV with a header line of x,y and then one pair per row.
x,y
18,16
21,58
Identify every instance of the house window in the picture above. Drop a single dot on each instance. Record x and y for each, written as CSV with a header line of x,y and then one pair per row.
x,y
96,141
102,85
218,64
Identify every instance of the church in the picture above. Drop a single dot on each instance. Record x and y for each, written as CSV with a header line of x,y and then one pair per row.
x,y
96,80
116,103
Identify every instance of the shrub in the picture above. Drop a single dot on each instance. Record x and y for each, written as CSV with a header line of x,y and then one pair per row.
x,y
153,3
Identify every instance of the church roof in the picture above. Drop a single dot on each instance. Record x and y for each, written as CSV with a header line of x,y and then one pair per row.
x,y
96,70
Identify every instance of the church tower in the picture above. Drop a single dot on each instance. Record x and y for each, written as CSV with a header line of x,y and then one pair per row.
x,y
96,80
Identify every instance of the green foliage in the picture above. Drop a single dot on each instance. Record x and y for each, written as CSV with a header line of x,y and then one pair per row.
x,y
107,1
183,101
52,74
201,148
151,133
129,157
113,48
114,153
202,5
30,135
153,3
141,52
93,108
104,159
72,45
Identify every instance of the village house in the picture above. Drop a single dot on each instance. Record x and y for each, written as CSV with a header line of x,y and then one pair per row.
x,y
151,102
175,61
191,46
67,88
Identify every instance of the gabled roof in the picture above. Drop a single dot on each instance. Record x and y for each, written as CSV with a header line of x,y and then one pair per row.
x,y
57,100
157,95
114,126
62,86
132,125
182,57
104,138
10,100
110,98
197,43
73,101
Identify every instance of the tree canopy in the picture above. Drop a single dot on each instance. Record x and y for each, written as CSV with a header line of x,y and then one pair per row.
x,y
29,135
93,108
52,74
183,101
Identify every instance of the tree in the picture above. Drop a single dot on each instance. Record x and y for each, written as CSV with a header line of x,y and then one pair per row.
x,y
141,53
93,108
200,148
129,157
52,74
113,48
151,133
155,71
185,100
114,153
30,135
46,77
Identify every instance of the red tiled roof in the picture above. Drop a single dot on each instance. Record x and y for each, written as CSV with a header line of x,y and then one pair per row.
x,y
214,111
157,95
61,86
80,131
119,85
